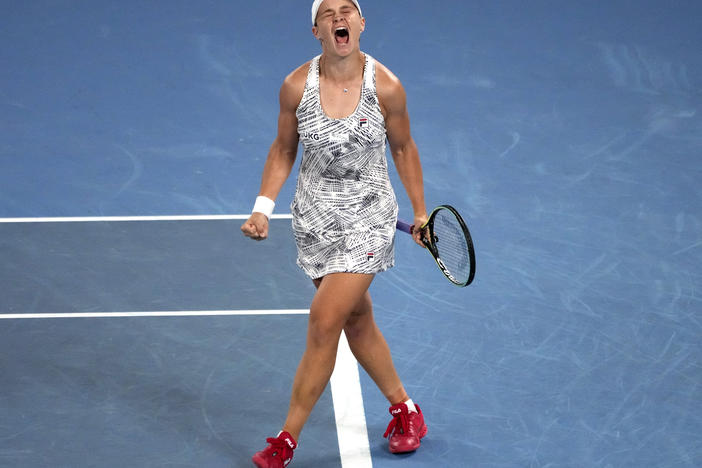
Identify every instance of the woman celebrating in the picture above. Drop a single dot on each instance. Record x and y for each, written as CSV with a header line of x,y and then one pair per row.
x,y
342,106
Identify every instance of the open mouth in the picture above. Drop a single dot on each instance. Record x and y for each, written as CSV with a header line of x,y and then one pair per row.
x,y
341,35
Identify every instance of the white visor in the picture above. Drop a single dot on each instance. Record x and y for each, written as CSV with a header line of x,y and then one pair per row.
x,y
317,3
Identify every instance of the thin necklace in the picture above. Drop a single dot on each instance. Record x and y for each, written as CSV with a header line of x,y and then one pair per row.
x,y
321,65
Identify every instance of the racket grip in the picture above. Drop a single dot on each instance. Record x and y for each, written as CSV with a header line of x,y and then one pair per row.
x,y
404,227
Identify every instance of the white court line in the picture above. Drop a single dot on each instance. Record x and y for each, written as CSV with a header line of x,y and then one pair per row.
x,y
347,398
83,219
164,313
349,413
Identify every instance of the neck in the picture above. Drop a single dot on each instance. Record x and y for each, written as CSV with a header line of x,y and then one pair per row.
x,y
342,69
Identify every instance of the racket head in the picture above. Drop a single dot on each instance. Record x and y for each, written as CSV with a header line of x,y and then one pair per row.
x,y
448,239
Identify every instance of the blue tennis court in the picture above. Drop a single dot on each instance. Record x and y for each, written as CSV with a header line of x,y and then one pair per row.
x,y
138,327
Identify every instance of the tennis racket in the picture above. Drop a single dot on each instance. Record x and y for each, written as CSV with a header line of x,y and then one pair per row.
x,y
448,240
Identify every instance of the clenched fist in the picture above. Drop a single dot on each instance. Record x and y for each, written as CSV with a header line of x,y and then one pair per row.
x,y
256,227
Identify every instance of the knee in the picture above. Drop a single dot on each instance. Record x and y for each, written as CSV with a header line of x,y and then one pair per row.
x,y
359,325
360,322
323,331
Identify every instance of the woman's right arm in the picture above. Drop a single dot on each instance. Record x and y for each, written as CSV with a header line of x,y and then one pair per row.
x,y
283,151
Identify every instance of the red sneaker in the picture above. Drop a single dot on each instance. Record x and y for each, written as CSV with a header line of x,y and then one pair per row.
x,y
407,428
278,454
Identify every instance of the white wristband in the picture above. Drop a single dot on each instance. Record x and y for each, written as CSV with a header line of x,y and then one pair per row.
x,y
264,205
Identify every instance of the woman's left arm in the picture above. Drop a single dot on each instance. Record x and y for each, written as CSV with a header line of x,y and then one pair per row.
x,y
393,103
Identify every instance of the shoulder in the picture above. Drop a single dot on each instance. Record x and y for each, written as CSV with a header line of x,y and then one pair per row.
x,y
293,86
391,93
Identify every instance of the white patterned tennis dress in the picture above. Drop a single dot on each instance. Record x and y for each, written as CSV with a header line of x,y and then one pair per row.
x,y
344,210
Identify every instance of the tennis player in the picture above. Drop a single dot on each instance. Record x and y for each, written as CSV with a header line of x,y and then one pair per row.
x,y
342,106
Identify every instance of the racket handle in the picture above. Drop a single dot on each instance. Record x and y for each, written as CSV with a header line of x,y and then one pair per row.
x,y
404,227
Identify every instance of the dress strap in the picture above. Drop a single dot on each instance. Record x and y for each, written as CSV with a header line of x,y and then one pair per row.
x,y
313,73
369,73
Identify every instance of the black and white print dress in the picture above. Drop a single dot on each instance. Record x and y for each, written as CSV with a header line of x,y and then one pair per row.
x,y
344,210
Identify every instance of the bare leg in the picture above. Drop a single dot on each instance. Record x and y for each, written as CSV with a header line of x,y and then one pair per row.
x,y
371,350
336,298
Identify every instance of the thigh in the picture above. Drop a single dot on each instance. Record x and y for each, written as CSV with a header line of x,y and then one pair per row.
x,y
338,295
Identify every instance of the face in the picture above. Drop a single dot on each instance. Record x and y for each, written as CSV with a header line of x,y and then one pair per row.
x,y
339,27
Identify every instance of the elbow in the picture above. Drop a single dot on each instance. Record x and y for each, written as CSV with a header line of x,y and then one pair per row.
x,y
284,152
402,151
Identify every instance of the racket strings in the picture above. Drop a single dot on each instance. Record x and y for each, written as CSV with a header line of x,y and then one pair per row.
x,y
451,243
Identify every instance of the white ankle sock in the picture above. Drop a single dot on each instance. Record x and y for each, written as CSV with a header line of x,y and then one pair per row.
x,y
410,406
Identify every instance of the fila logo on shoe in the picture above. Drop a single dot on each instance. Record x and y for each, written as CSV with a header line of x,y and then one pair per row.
x,y
290,443
396,411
